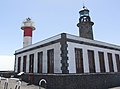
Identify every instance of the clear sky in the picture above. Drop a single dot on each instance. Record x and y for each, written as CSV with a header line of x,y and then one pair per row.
x,y
52,17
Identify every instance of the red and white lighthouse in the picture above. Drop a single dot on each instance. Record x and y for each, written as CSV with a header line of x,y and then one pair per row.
x,y
28,27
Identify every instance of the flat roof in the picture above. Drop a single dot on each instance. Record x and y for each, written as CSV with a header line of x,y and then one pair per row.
x,y
71,38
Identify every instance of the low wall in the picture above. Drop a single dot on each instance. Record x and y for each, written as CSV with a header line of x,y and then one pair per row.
x,y
7,74
76,81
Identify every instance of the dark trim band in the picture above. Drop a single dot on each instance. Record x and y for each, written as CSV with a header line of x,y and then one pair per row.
x,y
39,46
91,44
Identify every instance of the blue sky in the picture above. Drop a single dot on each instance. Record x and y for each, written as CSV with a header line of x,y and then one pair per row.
x,y
52,17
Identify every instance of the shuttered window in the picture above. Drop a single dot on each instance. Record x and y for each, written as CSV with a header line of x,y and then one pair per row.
x,y
50,61
110,61
40,59
31,63
19,64
79,60
91,61
117,61
24,63
101,61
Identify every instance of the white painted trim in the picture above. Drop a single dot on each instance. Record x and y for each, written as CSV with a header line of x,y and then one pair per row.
x,y
44,62
106,62
114,62
57,58
42,80
21,67
71,58
35,62
85,61
97,62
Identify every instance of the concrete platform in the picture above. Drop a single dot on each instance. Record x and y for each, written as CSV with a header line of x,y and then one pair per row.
x,y
13,83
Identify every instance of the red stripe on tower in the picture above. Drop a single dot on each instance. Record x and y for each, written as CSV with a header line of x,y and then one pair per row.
x,y
28,27
28,31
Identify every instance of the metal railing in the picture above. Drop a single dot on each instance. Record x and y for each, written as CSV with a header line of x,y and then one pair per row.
x,y
18,85
5,83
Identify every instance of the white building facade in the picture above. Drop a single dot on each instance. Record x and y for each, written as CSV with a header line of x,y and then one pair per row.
x,y
67,53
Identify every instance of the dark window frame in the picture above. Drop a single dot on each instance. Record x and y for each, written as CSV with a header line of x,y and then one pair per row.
x,y
40,62
24,63
79,60
31,63
110,62
117,57
91,60
50,61
101,61
19,64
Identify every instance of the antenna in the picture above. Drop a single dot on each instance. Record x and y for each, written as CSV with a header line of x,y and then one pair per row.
x,y
83,3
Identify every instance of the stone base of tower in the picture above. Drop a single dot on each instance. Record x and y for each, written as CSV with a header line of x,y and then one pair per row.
x,y
76,81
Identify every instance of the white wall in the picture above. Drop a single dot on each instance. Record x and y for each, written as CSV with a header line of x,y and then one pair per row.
x,y
57,58
71,55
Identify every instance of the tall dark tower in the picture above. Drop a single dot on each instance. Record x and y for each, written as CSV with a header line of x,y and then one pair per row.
x,y
85,24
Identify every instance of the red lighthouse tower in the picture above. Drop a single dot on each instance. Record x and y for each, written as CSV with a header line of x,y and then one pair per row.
x,y
28,27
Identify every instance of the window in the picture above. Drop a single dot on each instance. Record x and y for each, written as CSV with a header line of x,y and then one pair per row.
x,y
19,64
117,62
40,59
79,60
24,63
101,61
110,61
31,63
91,61
50,62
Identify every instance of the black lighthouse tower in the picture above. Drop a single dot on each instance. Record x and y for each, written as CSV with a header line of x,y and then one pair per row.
x,y
85,24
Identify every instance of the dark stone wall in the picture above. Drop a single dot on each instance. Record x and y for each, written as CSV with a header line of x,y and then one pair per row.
x,y
76,81
7,74
64,53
